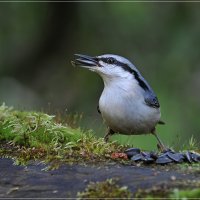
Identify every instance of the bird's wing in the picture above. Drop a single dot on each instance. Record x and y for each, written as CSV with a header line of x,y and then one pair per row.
x,y
149,95
152,101
161,122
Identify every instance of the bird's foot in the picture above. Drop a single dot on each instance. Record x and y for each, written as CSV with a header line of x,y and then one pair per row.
x,y
106,138
163,148
108,134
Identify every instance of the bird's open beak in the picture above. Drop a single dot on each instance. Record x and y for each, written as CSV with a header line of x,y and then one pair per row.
x,y
85,61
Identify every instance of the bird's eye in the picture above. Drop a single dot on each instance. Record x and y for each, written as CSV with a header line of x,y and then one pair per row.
x,y
110,60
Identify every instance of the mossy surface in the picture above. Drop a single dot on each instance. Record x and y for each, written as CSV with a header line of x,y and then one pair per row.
x,y
185,194
180,189
105,190
111,189
36,135
27,136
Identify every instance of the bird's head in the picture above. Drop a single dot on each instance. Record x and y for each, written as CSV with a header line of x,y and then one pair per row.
x,y
113,69
107,65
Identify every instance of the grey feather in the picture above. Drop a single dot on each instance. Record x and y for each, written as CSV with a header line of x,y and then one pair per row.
x,y
152,101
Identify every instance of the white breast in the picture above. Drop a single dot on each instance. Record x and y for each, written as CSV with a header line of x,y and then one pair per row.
x,y
124,110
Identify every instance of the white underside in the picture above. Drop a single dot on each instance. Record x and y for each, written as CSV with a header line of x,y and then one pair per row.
x,y
124,110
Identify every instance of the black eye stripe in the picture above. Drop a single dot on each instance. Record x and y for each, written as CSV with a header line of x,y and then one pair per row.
x,y
128,69
136,75
109,60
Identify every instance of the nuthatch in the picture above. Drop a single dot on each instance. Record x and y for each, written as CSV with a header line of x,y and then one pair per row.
x,y
127,104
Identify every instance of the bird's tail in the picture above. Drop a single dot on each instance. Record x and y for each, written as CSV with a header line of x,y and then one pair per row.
x,y
161,122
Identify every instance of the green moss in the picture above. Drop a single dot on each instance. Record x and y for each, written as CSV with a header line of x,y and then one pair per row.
x,y
183,189
185,194
105,190
110,189
36,135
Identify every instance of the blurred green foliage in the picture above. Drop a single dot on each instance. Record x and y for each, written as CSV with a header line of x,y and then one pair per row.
x,y
38,40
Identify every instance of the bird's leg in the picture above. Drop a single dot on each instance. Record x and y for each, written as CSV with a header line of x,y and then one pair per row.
x,y
161,145
108,134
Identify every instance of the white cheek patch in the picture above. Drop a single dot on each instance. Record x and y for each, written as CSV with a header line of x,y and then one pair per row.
x,y
103,63
109,69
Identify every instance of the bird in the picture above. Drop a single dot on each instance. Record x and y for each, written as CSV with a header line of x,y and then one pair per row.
x,y
128,104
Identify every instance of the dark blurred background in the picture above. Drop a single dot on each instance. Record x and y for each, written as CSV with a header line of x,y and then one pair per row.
x,y
38,40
